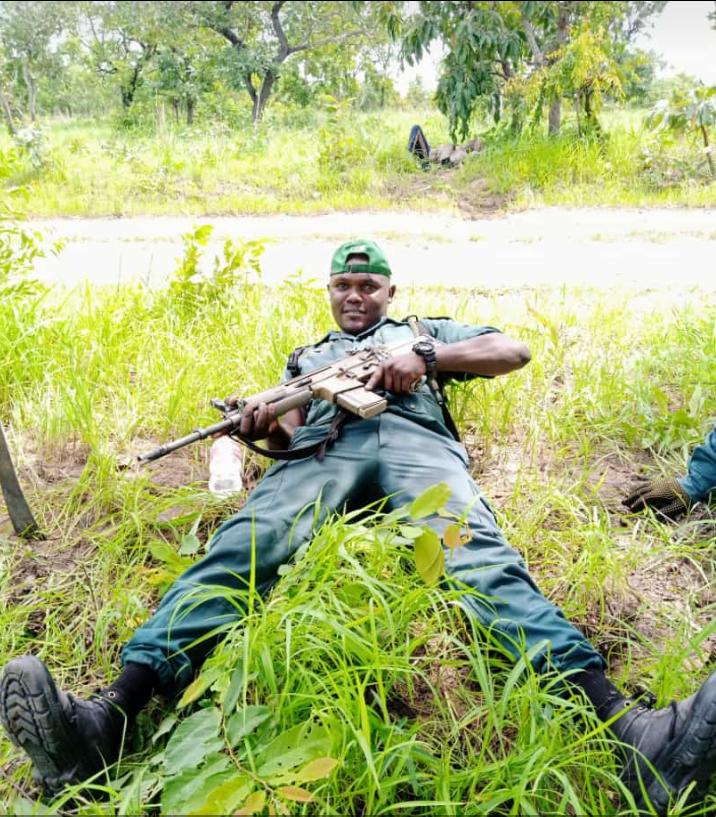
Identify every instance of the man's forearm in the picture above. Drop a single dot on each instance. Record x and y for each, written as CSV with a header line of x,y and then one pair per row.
x,y
490,354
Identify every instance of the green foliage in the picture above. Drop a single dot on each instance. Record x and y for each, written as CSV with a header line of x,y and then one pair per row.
x,y
627,168
692,110
584,71
493,50
20,297
193,291
342,144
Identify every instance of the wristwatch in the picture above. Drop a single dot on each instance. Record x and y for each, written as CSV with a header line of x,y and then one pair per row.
x,y
426,350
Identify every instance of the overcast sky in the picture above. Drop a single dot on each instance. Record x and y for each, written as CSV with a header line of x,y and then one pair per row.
x,y
681,34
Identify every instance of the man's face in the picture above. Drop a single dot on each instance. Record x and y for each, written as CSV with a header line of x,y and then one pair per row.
x,y
359,299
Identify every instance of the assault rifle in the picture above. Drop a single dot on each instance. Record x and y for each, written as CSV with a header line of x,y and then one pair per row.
x,y
342,383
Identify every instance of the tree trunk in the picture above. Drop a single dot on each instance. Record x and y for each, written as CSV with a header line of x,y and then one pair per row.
x,y
190,104
705,135
589,114
555,117
7,112
31,91
130,89
175,109
262,97
577,108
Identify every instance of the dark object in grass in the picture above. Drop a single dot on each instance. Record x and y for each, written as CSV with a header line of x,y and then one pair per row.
x,y
665,497
21,516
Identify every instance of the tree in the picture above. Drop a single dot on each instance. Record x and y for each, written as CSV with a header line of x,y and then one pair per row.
x,y
262,36
183,70
122,38
493,49
28,41
685,111
484,48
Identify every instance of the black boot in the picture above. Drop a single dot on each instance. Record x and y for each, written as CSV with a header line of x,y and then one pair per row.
x,y
68,740
675,747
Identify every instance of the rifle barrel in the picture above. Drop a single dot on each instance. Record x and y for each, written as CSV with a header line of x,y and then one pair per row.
x,y
198,434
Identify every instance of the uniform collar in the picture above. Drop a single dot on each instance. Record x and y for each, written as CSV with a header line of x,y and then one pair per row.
x,y
338,334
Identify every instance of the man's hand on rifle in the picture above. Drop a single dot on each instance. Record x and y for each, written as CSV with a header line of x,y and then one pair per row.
x,y
400,374
258,420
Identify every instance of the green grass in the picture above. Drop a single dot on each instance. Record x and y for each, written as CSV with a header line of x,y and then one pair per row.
x,y
304,162
352,655
629,168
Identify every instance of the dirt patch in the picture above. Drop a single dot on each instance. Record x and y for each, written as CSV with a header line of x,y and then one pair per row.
x,y
613,477
175,470
478,201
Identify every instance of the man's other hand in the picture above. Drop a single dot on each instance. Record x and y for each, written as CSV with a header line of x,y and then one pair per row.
x,y
258,421
398,374
664,496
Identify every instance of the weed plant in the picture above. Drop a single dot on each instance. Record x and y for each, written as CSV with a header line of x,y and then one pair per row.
x,y
354,688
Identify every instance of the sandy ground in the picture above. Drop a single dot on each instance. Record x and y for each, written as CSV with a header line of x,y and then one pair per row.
x,y
599,247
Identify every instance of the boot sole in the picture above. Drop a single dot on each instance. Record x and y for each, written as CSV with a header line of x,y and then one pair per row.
x,y
33,717
692,755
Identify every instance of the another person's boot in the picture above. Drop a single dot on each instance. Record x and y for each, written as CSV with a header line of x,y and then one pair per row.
x,y
673,748
68,740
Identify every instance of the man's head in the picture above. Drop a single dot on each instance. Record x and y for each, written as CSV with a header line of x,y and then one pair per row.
x,y
359,287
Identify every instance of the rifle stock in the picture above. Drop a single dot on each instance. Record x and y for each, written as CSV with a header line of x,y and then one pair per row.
x,y
341,383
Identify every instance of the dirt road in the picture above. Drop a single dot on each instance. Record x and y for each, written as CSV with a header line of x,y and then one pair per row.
x,y
552,246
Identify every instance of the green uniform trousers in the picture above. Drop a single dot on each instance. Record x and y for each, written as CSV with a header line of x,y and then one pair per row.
x,y
385,455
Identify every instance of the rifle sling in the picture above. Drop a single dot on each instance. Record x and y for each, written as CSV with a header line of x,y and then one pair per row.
x,y
304,451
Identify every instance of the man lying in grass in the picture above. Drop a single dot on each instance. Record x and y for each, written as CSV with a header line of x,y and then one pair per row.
x,y
671,498
397,454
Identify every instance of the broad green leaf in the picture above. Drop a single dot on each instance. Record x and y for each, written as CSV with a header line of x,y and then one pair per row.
x,y
410,531
253,805
244,722
429,557
202,234
184,793
430,501
227,796
193,740
396,514
231,696
294,793
299,745
164,553
317,769
190,545
165,726
198,686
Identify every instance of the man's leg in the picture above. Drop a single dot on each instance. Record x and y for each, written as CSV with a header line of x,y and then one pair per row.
x,y
671,748
68,739
506,599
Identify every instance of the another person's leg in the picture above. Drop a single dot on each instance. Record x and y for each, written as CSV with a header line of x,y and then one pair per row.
x,y
676,745
69,739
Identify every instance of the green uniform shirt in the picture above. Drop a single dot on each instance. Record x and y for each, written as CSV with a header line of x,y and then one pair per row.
x,y
420,406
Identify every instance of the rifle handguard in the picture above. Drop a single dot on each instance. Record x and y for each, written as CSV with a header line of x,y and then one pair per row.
x,y
341,383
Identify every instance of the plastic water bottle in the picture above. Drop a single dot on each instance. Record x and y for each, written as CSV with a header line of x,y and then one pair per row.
x,y
226,464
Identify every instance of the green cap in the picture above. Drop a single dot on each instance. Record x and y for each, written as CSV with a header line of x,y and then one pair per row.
x,y
377,262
